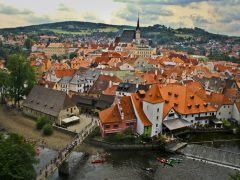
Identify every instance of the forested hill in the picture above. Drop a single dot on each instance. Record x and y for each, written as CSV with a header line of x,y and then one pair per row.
x,y
158,33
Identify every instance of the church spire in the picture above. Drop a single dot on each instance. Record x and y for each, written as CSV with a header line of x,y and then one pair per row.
x,y
138,27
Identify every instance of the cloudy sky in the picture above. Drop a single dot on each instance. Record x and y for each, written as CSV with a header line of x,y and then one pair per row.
x,y
218,16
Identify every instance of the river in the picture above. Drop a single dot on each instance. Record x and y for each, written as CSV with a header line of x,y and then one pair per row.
x,y
126,165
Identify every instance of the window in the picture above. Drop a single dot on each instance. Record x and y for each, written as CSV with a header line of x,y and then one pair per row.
x,y
191,121
171,115
206,121
157,109
115,126
156,125
157,117
192,115
219,113
205,113
107,126
186,116
156,132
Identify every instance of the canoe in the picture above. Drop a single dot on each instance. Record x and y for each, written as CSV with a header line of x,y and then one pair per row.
x,y
164,161
98,161
161,160
176,160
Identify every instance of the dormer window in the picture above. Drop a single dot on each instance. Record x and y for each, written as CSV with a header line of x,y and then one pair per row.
x,y
205,104
175,104
189,106
150,94
169,93
175,95
167,101
197,105
192,96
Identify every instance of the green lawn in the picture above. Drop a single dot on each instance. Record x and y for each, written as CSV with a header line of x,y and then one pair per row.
x,y
83,32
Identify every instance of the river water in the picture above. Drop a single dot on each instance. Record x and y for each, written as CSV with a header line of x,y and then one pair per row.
x,y
126,165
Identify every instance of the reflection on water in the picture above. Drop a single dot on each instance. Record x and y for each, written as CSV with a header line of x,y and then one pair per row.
x,y
127,165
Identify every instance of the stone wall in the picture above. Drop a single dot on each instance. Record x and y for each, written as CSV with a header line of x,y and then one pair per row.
x,y
112,146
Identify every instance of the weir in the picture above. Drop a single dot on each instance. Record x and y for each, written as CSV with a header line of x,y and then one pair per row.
x,y
219,156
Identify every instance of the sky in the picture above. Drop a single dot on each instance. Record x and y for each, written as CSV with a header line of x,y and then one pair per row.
x,y
217,16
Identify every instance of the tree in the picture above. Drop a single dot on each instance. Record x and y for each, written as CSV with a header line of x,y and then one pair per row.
x,y
235,176
22,77
28,43
47,129
4,84
72,55
41,122
17,158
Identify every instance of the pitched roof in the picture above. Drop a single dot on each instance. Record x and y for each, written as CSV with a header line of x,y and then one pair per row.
x,y
112,114
127,36
64,72
153,95
47,100
111,90
219,99
183,100
112,78
137,102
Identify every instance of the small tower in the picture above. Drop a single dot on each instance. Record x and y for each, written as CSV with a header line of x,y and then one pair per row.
x,y
138,30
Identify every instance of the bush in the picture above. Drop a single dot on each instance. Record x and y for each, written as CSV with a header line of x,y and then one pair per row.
x,y
47,129
41,122
226,124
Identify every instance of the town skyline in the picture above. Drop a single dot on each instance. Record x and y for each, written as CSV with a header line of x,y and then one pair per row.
x,y
208,15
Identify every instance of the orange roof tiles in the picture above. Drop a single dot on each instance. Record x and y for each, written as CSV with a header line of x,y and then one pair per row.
x,y
153,95
109,78
111,90
127,108
112,114
139,109
183,100
64,72
219,99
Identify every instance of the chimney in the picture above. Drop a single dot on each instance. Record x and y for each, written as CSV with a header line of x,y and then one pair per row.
x,y
110,84
136,86
122,115
156,73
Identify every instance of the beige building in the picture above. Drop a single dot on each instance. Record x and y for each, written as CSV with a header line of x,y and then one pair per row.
x,y
56,105
143,51
55,48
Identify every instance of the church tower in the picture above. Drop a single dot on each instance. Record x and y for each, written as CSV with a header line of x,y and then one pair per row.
x,y
138,30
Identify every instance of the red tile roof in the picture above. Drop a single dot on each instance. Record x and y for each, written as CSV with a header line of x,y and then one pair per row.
x,y
137,101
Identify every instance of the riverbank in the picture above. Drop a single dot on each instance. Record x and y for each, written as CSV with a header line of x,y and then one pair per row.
x,y
15,122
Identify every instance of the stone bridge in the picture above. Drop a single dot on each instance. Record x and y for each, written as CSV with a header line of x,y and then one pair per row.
x,y
60,162
219,156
